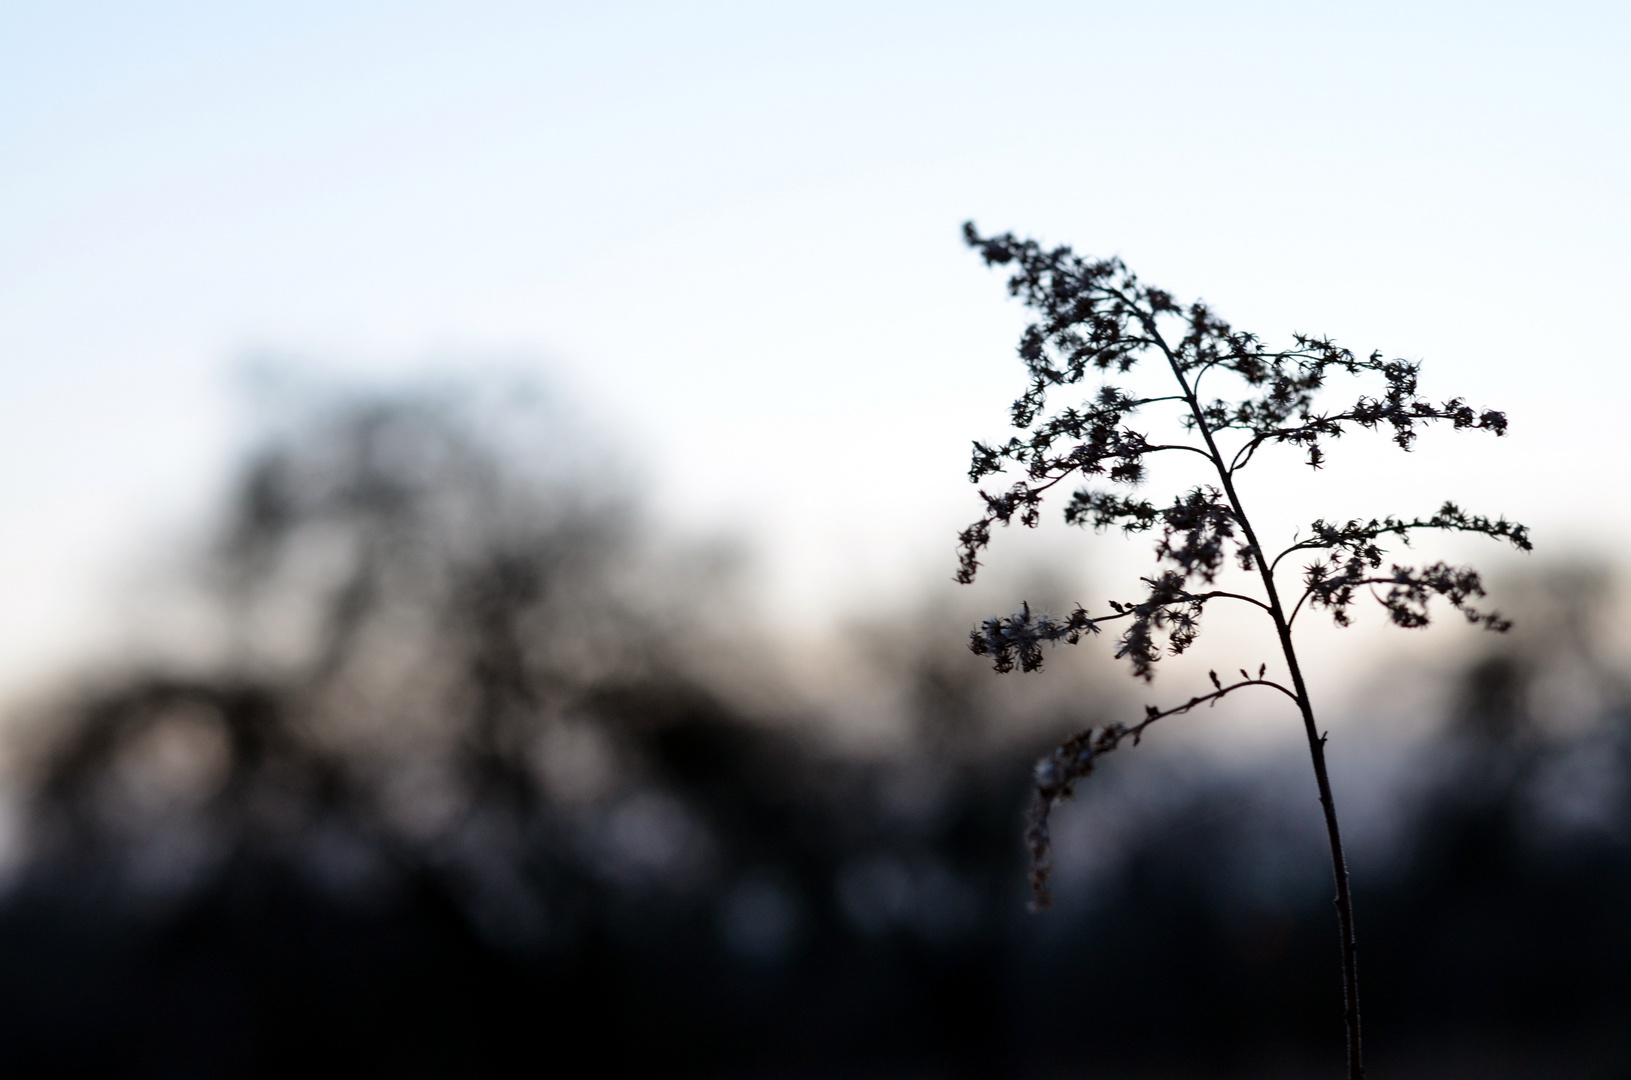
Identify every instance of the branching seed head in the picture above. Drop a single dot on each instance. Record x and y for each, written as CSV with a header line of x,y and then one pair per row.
x,y
1094,320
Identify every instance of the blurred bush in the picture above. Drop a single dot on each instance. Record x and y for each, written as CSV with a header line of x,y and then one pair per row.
x,y
469,779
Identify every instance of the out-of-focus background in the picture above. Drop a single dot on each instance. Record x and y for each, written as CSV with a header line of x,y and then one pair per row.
x,y
480,488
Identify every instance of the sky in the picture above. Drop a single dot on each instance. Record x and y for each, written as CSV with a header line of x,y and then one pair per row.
x,y
728,235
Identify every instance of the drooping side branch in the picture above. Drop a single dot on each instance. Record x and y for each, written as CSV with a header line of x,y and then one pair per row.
x,y
1057,775
1406,599
1020,636
1197,533
1359,538
1399,408
1355,558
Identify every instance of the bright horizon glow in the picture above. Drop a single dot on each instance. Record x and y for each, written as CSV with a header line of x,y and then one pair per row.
x,y
729,234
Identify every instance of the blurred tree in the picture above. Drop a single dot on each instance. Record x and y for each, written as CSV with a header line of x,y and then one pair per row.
x,y
461,751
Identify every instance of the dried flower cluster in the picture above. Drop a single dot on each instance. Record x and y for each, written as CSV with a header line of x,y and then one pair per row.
x,y
1096,320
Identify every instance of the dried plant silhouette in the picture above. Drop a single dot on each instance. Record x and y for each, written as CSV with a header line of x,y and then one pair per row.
x,y
1096,321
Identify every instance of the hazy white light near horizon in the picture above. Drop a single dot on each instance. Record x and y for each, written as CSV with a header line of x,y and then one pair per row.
x,y
729,233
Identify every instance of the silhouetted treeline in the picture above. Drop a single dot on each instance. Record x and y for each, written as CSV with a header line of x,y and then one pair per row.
x,y
460,786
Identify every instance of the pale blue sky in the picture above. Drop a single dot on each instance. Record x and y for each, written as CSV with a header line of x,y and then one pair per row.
x,y
729,233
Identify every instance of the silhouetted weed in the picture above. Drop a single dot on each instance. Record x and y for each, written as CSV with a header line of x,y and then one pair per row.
x,y
1095,319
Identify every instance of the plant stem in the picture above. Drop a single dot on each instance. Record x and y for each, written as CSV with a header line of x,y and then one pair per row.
x,y
1316,741
1316,751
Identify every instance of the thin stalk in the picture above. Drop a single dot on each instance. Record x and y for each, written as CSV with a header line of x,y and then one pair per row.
x,y
1316,741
